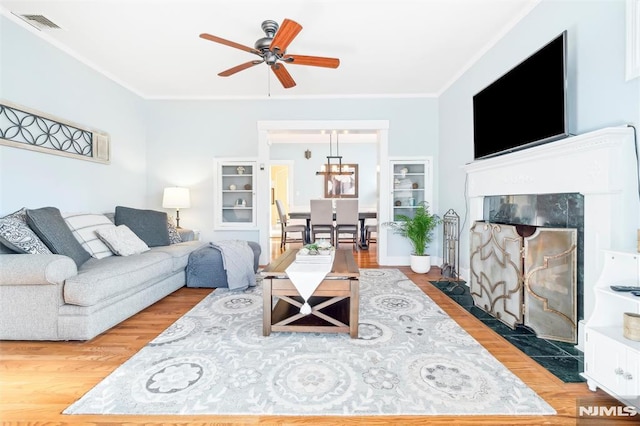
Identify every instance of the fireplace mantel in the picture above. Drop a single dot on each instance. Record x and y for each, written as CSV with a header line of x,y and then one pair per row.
x,y
601,165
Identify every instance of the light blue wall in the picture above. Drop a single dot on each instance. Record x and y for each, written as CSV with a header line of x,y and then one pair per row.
x,y
38,76
598,93
185,137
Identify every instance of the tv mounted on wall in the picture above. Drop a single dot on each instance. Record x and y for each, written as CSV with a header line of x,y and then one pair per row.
x,y
525,107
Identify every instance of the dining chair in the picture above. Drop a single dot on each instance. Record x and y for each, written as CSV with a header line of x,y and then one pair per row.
x,y
347,220
322,219
370,227
287,228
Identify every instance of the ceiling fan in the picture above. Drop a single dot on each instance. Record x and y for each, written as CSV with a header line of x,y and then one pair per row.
x,y
272,49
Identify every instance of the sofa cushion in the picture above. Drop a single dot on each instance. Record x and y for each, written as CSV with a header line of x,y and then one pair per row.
x,y
16,235
149,225
84,227
48,224
122,241
180,252
101,279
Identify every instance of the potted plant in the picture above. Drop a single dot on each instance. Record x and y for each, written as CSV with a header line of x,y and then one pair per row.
x,y
419,231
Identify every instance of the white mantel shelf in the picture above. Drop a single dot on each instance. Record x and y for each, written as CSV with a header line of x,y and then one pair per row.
x,y
589,164
601,165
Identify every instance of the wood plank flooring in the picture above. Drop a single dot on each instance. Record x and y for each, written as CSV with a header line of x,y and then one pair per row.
x,y
40,379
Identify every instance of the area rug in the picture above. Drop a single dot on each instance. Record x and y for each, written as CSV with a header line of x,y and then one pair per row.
x,y
410,358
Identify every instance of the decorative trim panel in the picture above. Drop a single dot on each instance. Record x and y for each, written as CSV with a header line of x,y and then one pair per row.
x,y
26,128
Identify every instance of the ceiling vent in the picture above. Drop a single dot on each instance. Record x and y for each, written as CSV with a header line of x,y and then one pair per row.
x,y
40,22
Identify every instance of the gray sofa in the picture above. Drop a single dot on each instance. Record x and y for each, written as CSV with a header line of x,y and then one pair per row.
x,y
46,297
55,297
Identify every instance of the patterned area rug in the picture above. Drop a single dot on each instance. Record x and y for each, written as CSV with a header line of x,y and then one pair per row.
x,y
410,359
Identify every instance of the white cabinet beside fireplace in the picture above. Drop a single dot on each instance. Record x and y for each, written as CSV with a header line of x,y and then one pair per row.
x,y
611,361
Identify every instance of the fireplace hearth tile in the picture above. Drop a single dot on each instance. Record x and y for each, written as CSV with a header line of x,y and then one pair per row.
x,y
534,346
569,348
566,368
479,313
561,359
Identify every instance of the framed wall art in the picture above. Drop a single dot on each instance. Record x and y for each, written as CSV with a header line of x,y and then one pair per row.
x,y
342,185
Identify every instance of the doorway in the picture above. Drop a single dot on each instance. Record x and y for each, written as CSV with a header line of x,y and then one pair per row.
x,y
379,127
281,181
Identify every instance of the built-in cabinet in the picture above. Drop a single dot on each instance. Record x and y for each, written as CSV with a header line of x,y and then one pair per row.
x,y
235,193
611,361
410,186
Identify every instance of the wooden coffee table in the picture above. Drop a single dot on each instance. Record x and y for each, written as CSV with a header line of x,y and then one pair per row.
x,y
334,304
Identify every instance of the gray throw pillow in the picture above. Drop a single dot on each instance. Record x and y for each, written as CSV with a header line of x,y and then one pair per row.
x,y
49,225
149,225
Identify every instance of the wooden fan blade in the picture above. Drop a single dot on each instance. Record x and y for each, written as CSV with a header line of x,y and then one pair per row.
x,y
238,68
285,35
230,43
283,75
314,61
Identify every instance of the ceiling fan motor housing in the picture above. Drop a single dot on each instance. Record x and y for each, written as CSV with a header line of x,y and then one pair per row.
x,y
270,28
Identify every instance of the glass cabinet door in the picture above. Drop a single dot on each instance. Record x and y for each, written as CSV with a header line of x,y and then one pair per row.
x,y
409,186
236,200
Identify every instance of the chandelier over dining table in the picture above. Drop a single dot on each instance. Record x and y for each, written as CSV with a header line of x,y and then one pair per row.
x,y
334,168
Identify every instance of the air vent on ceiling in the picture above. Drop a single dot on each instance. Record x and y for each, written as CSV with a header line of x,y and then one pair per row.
x,y
40,22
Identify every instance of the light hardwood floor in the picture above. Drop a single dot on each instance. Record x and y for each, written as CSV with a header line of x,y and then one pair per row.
x,y
40,379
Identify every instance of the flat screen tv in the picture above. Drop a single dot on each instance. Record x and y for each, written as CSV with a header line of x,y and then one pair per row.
x,y
525,107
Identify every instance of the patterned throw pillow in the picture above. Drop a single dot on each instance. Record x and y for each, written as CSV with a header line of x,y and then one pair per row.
x,y
122,241
18,236
174,235
84,227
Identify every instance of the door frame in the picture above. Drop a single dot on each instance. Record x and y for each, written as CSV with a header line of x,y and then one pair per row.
x,y
380,127
290,176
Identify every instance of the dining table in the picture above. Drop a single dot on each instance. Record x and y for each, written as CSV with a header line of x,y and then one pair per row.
x,y
362,216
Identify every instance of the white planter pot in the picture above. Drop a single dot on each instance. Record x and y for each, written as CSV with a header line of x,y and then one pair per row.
x,y
420,264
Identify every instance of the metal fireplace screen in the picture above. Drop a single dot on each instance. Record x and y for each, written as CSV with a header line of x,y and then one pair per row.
x,y
526,280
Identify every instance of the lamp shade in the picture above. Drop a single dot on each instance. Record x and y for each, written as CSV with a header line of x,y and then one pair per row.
x,y
176,198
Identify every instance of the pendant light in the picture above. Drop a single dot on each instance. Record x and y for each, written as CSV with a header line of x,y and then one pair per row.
x,y
335,168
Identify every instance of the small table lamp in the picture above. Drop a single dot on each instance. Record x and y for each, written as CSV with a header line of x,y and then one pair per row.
x,y
176,198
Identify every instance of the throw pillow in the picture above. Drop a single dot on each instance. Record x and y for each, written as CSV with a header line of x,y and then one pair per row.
x,y
122,241
84,227
17,236
49,225
174,235
149,225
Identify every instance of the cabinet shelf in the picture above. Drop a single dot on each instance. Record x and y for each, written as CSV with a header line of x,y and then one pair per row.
x,y
410,181
228,213
615,333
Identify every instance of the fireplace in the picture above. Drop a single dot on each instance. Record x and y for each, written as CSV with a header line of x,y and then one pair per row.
x,y
526,262
599,165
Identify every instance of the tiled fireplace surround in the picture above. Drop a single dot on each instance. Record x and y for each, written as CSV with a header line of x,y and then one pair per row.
x,y
600,165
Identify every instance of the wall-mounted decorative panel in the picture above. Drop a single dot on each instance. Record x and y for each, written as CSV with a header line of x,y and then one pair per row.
x,y
25,128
